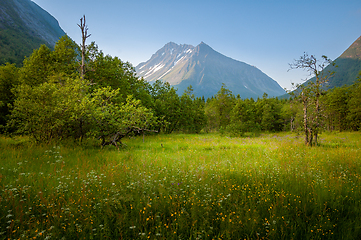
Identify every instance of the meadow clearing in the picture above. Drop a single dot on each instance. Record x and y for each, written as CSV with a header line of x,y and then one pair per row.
x,y
204,186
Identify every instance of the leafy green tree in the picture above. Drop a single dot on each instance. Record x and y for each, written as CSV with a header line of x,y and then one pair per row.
x,y
65,57
66,108
291,113
354,106
50,110
53,101
271,115
243,118
8,80
37,67
193,117
170,111
44,63
113,120
105,70
336,108
218,109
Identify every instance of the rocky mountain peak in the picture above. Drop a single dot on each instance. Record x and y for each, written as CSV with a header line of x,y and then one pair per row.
x,y
206,70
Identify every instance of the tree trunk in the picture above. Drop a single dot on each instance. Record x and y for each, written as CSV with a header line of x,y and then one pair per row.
x,y
305,124
84,32
292,124
317,120
310,135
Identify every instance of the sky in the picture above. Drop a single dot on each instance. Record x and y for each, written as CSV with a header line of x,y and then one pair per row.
x,y
268,34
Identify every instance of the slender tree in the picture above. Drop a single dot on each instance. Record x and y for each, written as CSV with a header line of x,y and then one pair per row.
x,y
85,35
311,92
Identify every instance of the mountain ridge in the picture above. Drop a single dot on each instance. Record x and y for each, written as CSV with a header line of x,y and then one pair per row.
x,y
24,26
206,70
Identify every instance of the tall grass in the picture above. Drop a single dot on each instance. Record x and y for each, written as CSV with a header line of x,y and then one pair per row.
x,y
183,187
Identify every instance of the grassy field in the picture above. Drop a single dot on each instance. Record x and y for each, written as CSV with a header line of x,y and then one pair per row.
x,y
183,187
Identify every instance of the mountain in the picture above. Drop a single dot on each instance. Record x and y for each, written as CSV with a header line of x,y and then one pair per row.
x,y
348,66
346,70
206,70
24,26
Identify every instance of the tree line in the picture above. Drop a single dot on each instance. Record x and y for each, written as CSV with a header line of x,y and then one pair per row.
x,y
77,92
69,93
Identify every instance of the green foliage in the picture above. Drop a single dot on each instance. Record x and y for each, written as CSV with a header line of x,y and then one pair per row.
x,y
336,108
193,118
50,110
105,70
166,106
238,116
354,106
243,118
109,115
218,109
291,113
8,80
53,103
14,48
44,63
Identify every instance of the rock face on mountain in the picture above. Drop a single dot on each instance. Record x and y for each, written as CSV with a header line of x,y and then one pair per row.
x,y
23,27
206,70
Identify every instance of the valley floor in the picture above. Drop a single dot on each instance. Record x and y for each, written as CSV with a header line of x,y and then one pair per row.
x,y
203,186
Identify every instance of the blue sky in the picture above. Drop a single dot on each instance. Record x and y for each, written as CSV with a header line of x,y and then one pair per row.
x,y
266,34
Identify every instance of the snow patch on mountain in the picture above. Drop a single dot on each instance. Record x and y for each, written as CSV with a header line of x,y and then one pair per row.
x,y
165,73
154,69
176,62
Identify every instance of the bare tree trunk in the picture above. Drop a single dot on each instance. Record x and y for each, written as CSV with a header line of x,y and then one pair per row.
x,y
317,119
310,140
84,32
305,123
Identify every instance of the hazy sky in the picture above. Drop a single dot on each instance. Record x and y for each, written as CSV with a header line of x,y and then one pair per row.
x,y
268,34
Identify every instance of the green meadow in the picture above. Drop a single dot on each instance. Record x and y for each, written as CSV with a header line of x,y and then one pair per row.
x,y
204,186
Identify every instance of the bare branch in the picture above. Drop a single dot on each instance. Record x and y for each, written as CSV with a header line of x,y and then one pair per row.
x,y
84,31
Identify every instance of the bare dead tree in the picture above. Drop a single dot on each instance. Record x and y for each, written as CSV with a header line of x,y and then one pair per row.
x,y
85,35
311,92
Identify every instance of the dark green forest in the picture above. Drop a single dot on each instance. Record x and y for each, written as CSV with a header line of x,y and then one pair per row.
x,y
48,99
